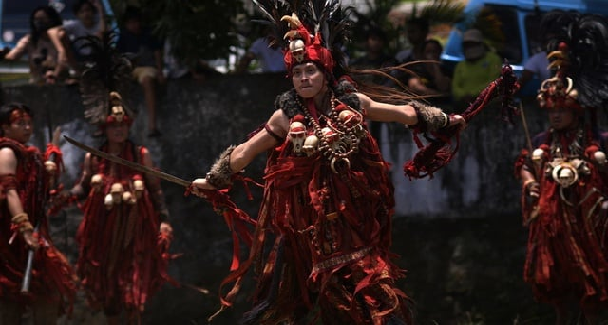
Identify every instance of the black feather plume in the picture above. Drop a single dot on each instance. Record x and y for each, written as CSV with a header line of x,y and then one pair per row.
x,y
106,70
586,37
327,17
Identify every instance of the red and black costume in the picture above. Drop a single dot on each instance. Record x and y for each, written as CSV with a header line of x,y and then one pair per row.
x,y
123,259
564,258
52,278
564,173
331,223
328,199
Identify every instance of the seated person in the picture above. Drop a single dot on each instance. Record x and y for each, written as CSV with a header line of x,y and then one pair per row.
x,y
47,52
146,55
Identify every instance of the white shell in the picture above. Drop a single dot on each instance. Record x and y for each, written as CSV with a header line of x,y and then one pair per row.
x,y
600,157
108,202
537,155
565,174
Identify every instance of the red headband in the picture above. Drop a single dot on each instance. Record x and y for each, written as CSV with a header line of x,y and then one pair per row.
x,y
18,114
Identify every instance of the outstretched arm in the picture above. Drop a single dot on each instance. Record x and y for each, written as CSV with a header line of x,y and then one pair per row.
x,y
238,157
408,114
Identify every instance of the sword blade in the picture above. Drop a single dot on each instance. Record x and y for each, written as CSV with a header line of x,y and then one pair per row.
x,y
130,164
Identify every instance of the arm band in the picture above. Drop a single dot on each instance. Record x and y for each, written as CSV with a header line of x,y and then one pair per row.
x,y
220,174
429,118
22,222
274,135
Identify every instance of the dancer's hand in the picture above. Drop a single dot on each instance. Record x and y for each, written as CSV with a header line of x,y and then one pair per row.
x,y
200,184
30,239
166,230
457,120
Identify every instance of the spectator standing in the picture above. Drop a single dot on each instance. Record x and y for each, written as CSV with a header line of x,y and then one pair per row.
x,y
146,53
479,67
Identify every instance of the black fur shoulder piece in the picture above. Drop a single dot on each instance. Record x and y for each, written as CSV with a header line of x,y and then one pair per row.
x,y
345,92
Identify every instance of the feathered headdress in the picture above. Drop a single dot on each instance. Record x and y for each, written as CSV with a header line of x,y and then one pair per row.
x,y
580,44
308,30
108,74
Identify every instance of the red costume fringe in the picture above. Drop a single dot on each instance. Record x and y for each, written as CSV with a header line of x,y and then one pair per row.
x,y
564,259
123,258
52,278
332,239
439,151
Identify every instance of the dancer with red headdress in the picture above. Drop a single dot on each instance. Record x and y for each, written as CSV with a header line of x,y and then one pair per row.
x,y
328,199
125,235
48,288
564,176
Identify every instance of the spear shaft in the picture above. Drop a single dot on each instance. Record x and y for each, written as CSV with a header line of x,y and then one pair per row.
x,y
133,165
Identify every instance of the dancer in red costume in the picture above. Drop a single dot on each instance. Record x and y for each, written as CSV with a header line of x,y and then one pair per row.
x,y
123,258
564,177
328,199
25,177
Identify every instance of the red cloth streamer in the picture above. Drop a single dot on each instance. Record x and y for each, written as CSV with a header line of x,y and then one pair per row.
x,y
58,159
438,152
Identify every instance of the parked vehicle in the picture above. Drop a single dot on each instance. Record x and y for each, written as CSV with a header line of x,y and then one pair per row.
x,y
520,20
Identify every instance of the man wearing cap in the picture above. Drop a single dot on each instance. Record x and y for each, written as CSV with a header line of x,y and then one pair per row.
x,y
479,67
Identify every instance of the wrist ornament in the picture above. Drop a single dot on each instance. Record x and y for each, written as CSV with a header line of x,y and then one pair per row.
x,y
21,222
429,118
220,175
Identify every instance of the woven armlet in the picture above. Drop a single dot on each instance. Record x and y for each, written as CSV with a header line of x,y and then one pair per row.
x,y
22,222
220,175
429,118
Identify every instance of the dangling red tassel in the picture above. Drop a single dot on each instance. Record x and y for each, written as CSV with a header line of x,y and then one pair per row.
x,y
438,152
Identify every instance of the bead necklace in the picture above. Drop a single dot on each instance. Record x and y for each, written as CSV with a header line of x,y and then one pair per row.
x,y
341,135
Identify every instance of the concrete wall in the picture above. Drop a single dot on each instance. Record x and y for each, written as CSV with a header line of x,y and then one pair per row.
x,y
470,209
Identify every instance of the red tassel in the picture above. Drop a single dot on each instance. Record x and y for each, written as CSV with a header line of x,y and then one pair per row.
x,y
438,153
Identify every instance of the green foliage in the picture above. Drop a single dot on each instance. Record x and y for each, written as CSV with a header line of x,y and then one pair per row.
x,y
435,11
195,29
376,17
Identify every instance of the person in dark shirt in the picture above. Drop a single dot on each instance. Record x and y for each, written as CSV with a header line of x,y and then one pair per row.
x,y
145,52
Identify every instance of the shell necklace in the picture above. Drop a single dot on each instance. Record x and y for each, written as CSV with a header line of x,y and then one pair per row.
x,y
341,133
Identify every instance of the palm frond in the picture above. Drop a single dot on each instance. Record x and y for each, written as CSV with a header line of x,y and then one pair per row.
x,y
441,12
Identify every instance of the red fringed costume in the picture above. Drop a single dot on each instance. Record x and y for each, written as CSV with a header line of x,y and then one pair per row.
x,y
123,259
52,278
564,257
330,220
